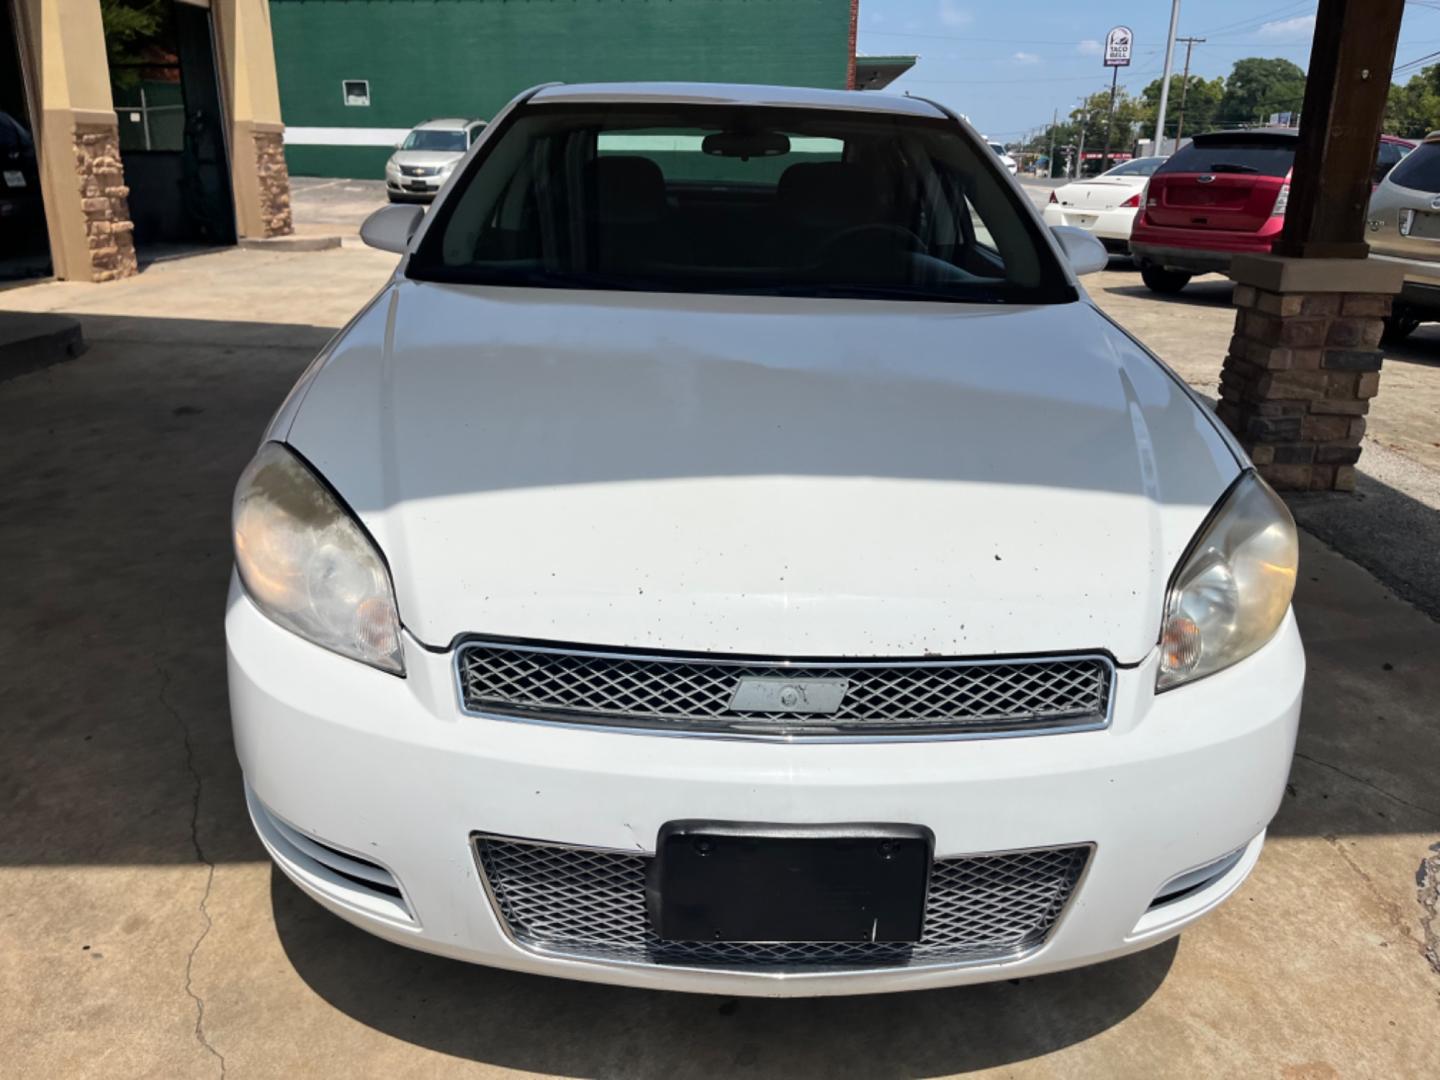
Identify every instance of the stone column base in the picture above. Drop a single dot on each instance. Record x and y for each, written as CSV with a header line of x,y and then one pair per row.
x,y
274,179
1303,365
105,200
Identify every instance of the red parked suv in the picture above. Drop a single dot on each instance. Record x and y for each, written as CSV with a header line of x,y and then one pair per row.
x,y
1221,196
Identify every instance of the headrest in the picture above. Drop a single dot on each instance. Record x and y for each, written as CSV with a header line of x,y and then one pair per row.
x,y
629,190
829,194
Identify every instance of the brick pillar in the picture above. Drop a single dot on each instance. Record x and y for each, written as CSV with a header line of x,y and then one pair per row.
x,y
1304,364
273,176
105,200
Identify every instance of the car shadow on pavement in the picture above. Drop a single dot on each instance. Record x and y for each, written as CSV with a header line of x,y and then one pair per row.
x,y
1209,291
556,1026
1423,348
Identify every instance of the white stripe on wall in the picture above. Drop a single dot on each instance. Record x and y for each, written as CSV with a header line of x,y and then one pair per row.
x,y
344,136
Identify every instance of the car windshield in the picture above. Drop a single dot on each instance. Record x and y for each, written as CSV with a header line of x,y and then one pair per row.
x,y
1000,150
1233,155
1144,166
736,199
434,139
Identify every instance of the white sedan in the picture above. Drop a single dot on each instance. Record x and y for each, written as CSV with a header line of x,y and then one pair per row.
x,y
732,554
1104,205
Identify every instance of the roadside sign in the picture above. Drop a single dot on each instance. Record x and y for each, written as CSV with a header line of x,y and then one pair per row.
x,y
1118,44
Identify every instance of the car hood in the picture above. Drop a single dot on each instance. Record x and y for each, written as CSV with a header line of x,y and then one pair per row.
x,y
426,157
762,475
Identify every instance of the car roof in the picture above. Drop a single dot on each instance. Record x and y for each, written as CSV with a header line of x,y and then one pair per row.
x,y
690,93
1259,136
444,124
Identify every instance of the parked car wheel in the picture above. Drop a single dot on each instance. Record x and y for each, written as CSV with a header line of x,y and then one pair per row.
x,y
1399,326
1166,282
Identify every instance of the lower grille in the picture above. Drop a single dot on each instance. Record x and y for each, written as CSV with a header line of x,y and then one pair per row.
x,y
701,693
590,904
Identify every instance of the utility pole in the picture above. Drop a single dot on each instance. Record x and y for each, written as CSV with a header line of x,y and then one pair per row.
x,y
1109,120
1050,161
1084,122
1165,80
1190,43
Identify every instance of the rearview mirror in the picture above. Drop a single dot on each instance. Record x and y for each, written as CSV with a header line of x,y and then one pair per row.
x,y
391,227
745,144
1083,252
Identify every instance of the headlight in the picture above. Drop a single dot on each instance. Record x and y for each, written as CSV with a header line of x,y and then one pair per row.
x,y
307,565
1233,589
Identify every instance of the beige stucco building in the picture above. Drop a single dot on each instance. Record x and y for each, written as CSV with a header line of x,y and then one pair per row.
x,y
193,156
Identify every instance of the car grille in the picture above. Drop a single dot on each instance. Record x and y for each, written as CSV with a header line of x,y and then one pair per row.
x,y
693,693
418,170
590,904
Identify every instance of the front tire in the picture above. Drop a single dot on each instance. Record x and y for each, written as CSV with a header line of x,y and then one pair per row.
x,y
1165,282
1399,325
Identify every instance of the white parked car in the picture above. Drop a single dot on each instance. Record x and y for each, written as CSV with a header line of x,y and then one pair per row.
x,y
732,554
1104,205
426,157
1005,159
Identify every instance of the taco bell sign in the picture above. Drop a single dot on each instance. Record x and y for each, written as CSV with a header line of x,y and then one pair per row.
x,y
1118,44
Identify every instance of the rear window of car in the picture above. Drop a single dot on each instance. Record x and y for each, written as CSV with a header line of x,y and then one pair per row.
x,y
1420,169
1138,167
756,200
1247,156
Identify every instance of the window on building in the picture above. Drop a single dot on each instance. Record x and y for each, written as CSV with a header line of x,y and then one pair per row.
x,y
356,91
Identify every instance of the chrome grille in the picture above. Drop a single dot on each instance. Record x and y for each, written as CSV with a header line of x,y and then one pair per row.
x,y
590,904
882,697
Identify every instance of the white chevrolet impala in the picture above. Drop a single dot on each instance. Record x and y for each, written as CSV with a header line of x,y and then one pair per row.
x,y
733,554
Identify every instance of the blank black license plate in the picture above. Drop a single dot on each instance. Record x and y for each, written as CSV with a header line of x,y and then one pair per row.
x,y
721,881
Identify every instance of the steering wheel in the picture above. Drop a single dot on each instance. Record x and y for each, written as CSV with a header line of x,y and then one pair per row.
x,y
860,234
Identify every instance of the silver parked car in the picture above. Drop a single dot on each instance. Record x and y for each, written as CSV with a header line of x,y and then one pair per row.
x,y
424,160
1404,225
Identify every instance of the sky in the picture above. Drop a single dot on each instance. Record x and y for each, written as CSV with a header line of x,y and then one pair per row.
x,y
1007,64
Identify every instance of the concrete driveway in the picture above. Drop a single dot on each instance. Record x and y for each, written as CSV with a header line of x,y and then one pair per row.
x,y
143,933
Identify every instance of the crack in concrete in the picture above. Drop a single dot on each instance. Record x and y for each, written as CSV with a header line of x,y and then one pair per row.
x,y
200,857
1427,878
1372,786
1397,916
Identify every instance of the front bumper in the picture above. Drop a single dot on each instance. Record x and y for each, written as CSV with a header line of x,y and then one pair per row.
x,y
1199,250
412,188
1111,225
392,771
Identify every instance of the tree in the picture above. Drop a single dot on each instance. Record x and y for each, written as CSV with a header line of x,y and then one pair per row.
x,y
130,26
1096,111
1258,87
1202,105
1413,110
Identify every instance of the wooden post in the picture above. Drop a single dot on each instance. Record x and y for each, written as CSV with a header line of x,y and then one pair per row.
x,y
1351,60
1305,359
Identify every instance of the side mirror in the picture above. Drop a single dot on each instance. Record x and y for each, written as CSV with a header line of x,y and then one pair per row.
x,y
1085,254
391,227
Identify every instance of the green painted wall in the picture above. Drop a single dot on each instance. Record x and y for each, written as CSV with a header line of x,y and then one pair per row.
x,y
428,58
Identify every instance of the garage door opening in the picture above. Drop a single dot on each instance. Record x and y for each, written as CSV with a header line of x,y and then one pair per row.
x,y
172,136
24,242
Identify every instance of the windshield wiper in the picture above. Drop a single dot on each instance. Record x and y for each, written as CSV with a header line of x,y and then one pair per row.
x,y
957,293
